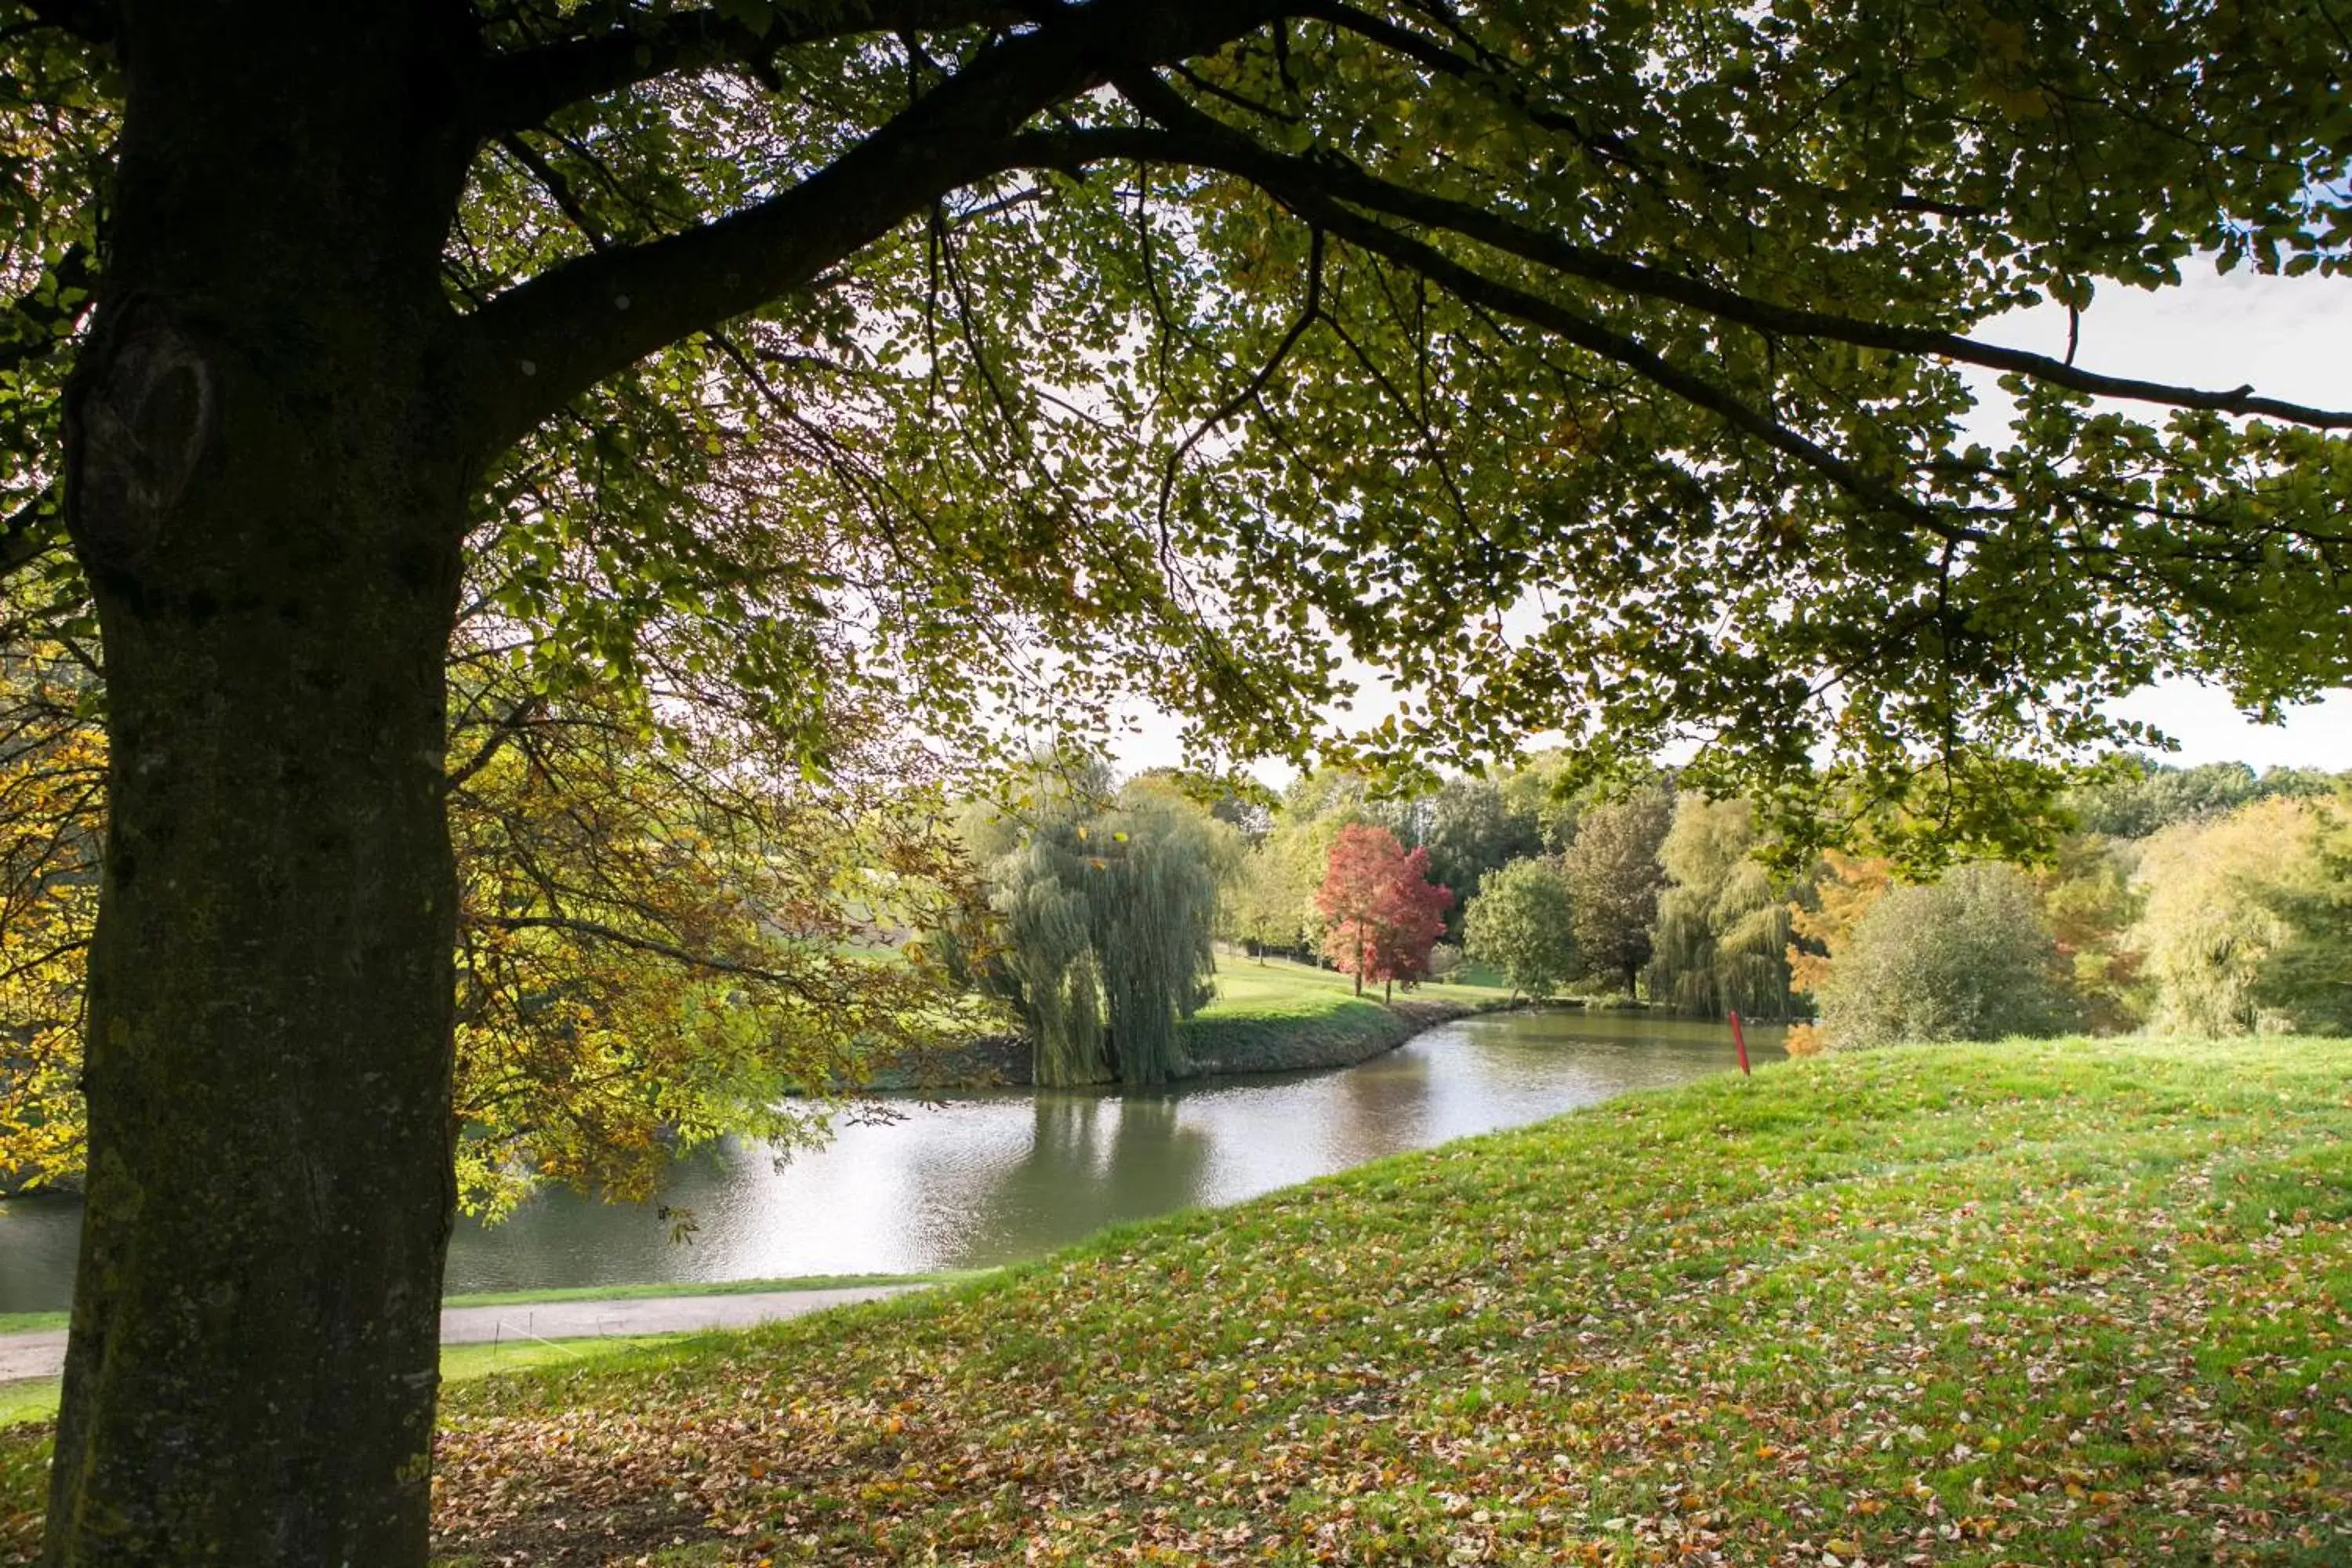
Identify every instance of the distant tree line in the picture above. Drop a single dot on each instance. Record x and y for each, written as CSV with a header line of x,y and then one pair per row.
x,y
2214,899
2226,909
2209,900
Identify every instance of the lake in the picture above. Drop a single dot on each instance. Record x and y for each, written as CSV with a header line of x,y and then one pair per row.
x,y
990,1178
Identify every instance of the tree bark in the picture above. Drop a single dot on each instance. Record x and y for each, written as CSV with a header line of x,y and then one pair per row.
x,y
267,486
271,439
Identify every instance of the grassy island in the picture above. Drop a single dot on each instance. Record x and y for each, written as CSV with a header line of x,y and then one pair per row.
x,y
1275,1015
2055,1302
1270,1015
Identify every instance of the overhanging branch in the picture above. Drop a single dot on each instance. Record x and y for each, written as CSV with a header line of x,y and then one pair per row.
x,y
544,343
39,316
521,90
1206,143
1595,337
23,539
599,932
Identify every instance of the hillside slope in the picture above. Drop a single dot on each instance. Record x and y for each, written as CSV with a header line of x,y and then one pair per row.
x,y
2070,1302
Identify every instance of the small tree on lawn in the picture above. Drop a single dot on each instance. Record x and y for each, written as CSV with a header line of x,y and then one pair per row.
x,y
1383,910
1522,923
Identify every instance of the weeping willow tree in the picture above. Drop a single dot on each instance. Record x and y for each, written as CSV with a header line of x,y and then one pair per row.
x,y
1721,944
1047,965
2212,925
1101,928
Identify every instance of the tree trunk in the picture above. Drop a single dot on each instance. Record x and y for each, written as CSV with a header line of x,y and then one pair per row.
x,y
266,489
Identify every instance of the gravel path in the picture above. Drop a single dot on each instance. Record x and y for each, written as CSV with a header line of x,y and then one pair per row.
x,y
43,1354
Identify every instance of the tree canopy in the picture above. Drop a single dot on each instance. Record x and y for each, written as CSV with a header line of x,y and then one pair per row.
x,y
1613,882
2134,797
2216,895
1521,922
1103,913
1573,326
2309,977
1472,831
1721,942
1012,361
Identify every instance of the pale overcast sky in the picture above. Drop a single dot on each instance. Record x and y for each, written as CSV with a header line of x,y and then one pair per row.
x,y
2289,338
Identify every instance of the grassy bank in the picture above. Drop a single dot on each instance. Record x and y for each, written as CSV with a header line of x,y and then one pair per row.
x,y
1270,1015
36,1399
1245,982
1275,1015
27,1322
2054,1304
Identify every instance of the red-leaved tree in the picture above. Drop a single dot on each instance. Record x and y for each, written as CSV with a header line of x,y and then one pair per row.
x,y
1384,911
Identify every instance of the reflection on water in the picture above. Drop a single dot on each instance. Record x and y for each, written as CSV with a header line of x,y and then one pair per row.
x,y
989,1178
38,1237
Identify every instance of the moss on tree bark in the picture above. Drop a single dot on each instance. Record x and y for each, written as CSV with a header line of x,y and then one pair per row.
x,y
268,489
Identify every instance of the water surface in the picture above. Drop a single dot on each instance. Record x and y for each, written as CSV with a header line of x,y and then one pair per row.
x,y
990,1178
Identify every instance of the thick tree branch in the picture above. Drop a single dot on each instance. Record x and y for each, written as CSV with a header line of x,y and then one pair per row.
x,y
1207,142
520,90
1316,207
1425,52
548,340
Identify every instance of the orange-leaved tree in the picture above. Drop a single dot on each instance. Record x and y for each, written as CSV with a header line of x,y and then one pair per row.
x,y
1844,888
52,795
1384,911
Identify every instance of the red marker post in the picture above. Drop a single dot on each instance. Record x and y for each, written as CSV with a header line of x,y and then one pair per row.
x,y
1739,1043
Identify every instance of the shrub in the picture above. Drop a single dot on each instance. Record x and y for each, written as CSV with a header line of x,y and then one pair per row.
x,y
1968,958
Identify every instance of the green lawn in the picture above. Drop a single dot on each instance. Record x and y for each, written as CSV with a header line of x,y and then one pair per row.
x,y
25,1322
2072,1302
1278,985
1275,1016
37,1399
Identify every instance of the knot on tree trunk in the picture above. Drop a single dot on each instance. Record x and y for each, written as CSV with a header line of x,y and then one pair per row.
x,y
137,425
